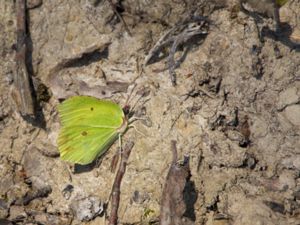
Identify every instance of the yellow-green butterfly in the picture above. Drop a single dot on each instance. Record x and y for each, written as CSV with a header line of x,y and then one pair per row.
x,y
281,2
89,127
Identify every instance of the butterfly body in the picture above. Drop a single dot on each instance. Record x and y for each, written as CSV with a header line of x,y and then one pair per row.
x,y
89,127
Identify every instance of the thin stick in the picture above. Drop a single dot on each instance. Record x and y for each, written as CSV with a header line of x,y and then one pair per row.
x,y
21,92
115,195
119,16
174,152
173,205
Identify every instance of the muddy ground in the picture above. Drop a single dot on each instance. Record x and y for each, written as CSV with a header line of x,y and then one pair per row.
x,y
235,111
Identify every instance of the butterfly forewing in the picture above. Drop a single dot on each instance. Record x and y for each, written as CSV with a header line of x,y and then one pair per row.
x,y
89,127
90,111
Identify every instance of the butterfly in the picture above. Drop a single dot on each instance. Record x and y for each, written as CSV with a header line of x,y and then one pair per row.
x,y
89,126
281,2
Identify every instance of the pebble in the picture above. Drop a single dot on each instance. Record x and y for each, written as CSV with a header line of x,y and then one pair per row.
x,y
17,213
5,222
86,209
67,191
3,209
292,113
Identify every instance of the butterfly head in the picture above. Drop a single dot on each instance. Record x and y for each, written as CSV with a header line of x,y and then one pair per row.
x,y
127,111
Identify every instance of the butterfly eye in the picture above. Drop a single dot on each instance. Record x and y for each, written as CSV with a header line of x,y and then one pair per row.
x,y
92,109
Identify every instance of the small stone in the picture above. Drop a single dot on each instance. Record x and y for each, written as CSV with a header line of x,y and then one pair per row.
x,y
17,213
139,197
88,208
292,162
47,149
5,222
292,113
31,4
295,36
286,180
41,218
288,97
98,221
16,193
276,207
32,163
259,127
250,162
291,206
67,191
45,218
36,205
3,209
296,194
135,196
36,193
6,183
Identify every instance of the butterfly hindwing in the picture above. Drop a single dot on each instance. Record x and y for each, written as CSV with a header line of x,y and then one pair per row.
x,y
85,110
84,144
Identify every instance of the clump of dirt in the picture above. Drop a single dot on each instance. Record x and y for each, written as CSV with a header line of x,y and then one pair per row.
x,y
234,110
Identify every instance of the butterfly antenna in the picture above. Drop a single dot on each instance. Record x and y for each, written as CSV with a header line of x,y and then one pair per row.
x,y
130,94
135,104
120,142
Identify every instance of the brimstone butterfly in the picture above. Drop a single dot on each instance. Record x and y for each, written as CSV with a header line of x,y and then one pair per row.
x,y
89,127
281,2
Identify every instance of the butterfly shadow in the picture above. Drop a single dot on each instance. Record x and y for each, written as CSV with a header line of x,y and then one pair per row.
x,y
84,168
78,168
281,34
283,37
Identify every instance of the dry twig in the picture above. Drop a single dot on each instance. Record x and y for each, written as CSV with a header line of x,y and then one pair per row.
x,y
115,194
22,89
112,5
176,36
173,205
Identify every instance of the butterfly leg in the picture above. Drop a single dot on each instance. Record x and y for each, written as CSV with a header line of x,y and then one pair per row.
x,y
120,143
115,159
134,118
276,16
141,133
